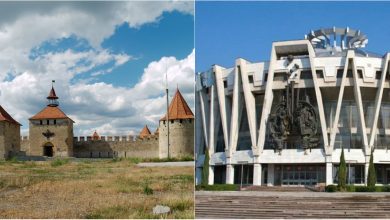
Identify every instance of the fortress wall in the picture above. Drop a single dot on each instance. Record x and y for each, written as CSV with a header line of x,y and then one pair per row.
x,y
181,138
131,146
9,143
116,146
24,144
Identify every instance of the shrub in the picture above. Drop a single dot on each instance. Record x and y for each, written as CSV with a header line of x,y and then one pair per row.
x,y
148,190
386,189
13,160
187,158
116,159
59,162
205,170
331,188
134,160
218,187
360,189
351,188
371,178
342,172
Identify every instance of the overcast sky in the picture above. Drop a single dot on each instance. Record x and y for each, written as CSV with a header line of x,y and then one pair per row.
x,y
108,60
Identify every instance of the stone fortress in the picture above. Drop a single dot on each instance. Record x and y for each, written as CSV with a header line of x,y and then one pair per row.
x,y
51,135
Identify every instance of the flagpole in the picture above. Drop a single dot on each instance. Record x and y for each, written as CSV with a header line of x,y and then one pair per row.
x,y
167,93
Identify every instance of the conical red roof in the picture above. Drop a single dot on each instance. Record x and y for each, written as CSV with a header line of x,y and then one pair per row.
x,y
145,132
4,116
52,94
95,136
178,108
50,112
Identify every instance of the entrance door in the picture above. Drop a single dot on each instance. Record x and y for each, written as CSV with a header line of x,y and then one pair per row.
x,y
48,150
387,176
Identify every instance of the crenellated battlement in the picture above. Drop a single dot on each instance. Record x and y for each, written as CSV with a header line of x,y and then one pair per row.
x,y
129,138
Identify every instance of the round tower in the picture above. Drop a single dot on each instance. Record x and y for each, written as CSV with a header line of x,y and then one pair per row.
x,y
181,129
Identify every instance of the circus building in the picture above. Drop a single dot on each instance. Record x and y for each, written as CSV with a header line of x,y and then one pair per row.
x,y
51,130
286,120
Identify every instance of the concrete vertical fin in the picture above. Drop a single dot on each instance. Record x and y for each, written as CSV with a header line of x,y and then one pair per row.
x,y
359,104
204,105
222,103
249,102
320,104
236,112
267,102
339,100
378,100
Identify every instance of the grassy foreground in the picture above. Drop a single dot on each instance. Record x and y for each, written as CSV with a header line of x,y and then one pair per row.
x,y
93,189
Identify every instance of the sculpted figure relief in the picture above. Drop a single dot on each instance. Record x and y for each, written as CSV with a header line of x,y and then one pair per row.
x,y
303,123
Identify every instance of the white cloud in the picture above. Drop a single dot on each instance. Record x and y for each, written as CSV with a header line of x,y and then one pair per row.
x,y
109,109
24,82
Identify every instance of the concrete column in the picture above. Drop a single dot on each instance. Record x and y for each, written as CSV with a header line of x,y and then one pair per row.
x,y
211,175
329,173
271,175
257,174
229,174
366,165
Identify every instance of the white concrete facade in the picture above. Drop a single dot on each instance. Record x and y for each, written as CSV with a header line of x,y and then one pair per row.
x,y
349,88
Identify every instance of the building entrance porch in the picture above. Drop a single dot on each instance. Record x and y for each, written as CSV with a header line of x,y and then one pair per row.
x,y
299,174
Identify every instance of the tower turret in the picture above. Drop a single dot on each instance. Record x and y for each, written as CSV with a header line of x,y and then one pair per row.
x,y
52,98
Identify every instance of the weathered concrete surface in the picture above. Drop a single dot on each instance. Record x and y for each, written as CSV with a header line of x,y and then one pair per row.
x,y
250,204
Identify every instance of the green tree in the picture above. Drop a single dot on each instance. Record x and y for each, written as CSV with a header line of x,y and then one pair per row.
x,y
205,170
342,171
371,178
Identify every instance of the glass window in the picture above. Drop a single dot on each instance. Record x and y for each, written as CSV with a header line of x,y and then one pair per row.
x,y
244,138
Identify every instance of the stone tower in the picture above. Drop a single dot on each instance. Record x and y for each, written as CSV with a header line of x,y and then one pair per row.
x,y
51,131
145,132
181,129
9,135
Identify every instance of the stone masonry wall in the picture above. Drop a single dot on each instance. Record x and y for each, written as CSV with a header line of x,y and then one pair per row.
x,y
181,138
108,147
62,139
9,139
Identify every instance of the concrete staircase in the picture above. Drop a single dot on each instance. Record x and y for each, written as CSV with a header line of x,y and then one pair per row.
x,y
279,188
300,205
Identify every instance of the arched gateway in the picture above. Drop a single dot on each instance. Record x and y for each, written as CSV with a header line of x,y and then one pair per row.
x,y
48,150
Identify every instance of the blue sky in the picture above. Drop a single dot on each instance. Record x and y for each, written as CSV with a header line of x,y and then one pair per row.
x,y
225,31
108,59
149,43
